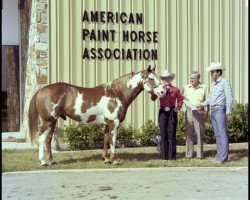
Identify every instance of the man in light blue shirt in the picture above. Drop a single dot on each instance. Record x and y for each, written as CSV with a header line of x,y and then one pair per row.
x,y
221,101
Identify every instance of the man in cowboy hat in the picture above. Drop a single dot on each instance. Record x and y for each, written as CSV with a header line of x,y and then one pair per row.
x,y
221,101
169,107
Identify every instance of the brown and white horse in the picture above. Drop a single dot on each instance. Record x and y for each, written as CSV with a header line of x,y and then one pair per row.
x,y
105,104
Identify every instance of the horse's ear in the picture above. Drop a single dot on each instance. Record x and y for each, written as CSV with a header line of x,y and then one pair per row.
x,y
150,69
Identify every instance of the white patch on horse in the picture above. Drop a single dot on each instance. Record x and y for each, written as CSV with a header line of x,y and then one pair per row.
x,y
41,140
107,86
78,104
147,87
159,91
153,77
114,135
134,82
100,109
157,81
100,119
54,105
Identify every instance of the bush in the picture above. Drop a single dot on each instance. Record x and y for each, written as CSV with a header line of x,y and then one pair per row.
x,y
180,130
126,135
209,137
84,136
89,136
238,125
148,132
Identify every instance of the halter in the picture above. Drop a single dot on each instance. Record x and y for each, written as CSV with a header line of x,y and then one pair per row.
x,y
150,86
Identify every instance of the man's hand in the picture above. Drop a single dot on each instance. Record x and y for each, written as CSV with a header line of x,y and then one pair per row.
x,y
228,117
205,115
199,105
176,109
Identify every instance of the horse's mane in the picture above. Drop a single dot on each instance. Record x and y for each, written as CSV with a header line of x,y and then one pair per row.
x,y
120,80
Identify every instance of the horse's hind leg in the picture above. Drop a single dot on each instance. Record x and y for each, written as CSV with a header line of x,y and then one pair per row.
x,y
48,143
45,130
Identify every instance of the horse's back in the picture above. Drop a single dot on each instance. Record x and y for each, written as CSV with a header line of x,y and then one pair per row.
x,y
57,86
54,98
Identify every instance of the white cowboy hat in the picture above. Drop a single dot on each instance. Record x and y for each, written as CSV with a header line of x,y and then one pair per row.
x,y
166,73
215,66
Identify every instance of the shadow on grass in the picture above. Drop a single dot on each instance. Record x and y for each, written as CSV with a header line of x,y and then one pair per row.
x,y
235,155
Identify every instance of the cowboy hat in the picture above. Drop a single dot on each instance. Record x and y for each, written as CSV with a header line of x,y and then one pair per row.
x,y
215,66
166,73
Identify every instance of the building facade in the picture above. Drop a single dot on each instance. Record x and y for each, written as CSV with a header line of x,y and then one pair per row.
x,y
90,42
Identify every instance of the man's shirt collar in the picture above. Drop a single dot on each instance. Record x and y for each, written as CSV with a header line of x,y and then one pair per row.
x,y
217,81
198,86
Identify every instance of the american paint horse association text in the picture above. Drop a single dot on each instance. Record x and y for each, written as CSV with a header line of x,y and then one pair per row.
x,y
105,104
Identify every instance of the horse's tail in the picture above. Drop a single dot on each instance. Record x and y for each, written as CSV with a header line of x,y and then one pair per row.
x,y
33,118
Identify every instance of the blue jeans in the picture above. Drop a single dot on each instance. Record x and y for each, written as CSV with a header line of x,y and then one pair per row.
x,y
219,123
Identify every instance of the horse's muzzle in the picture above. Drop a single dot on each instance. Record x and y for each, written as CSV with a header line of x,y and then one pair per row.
x,y
159,91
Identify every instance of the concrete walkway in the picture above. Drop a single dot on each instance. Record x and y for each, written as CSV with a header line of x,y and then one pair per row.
x,y
18,145
223,183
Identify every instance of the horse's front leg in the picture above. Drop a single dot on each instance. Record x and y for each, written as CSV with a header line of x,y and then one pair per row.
x,y
105,155
113,133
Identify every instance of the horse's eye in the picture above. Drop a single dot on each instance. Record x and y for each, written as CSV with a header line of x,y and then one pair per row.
x,y
151,78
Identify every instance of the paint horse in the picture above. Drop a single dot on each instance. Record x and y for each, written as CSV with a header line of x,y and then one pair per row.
x,y
105,104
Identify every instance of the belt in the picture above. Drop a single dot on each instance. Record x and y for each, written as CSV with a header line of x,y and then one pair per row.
x,y
166,108
216,106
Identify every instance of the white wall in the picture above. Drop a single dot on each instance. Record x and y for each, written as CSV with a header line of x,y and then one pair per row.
x,y
10,23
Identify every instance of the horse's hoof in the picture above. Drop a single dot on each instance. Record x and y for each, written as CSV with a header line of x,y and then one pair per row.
x,y
43,163
107,160
116,162
105,156
53,163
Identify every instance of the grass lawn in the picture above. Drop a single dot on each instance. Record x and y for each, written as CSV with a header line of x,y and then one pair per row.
x,y
27,160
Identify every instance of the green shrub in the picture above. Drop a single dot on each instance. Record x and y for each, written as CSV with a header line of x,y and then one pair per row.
x,y
87,136
209,137
84,136
180,130
238,125
126,134
148,132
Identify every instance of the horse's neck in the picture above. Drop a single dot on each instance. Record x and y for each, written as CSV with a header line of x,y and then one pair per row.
x,y
130,95
127,90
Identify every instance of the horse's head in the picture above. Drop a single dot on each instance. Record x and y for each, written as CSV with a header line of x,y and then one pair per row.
x,y
152,83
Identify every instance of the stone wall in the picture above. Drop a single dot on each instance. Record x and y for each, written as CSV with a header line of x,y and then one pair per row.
x,y
36,71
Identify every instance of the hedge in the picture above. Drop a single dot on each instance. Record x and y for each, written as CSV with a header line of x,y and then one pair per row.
x,y
89,136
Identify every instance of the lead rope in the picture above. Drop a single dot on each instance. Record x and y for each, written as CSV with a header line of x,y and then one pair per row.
x,y
171,114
